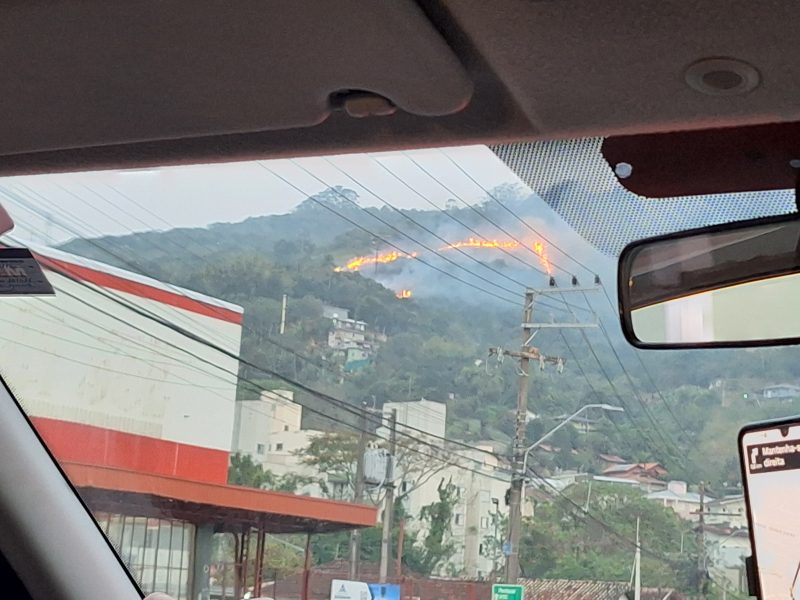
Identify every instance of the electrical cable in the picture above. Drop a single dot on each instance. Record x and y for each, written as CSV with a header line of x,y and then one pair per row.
x,y
410,238
177,329
476,211
388,243
516,216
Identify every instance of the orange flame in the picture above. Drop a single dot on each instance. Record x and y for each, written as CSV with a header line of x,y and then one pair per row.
x,y
539,248
354,264
404,294
476,243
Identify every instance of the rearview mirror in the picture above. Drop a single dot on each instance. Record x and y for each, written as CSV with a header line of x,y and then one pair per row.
x,y
728,285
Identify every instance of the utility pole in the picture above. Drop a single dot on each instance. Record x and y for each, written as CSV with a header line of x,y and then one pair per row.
x,y
355,535
701,555
525,355
521,422
637,566
283,314
401,536
388,505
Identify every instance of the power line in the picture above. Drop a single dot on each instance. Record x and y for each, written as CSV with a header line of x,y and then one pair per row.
x,y
385,241
476,211
178,329
574,358
681,427
430,232
319,395
584,514
420,225
649,441
516,216
138,268
340,403
412,239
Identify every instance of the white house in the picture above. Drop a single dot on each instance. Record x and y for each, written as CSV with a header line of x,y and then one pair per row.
x,y
686,504
729,511
781,391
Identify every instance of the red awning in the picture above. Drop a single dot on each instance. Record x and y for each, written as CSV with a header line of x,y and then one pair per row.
x,y
227,507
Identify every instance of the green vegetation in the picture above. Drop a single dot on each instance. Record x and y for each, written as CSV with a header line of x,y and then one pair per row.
x,y
683,411
559,545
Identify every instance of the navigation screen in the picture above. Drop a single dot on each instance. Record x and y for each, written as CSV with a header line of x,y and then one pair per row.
x,y
773,478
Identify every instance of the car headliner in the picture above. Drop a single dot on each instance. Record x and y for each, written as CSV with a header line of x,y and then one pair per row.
x,y
109,84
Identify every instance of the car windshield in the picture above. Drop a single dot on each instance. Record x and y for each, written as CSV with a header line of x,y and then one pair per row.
x,y
285,377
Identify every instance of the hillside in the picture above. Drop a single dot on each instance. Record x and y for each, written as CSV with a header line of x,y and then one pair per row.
x,y
465,299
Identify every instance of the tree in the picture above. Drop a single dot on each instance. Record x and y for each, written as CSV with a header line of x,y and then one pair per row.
x,y
333,455
243,470
562,543
432,545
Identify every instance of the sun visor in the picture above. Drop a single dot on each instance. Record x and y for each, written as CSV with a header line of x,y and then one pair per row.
x,y
115,72
710,161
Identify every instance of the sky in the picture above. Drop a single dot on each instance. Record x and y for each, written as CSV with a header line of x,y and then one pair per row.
x,y
51,209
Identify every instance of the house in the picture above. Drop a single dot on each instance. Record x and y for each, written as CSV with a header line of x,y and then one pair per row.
x,y
335,312
609,460
781,391
567,589
648,486
727,548
347,333
677,496
729,511
651,473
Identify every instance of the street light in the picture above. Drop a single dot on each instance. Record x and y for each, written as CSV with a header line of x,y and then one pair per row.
x,y
546,436
515,509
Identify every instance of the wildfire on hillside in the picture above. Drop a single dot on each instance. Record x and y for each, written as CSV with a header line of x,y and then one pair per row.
x,y
404,294
355,264
476,243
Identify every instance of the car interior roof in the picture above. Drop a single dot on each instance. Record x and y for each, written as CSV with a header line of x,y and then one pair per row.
x,y
107,84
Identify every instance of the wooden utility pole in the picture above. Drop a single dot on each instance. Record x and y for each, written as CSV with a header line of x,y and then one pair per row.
x,y
637,567
521,421
701,554
388,505
525,355
355,535
401,536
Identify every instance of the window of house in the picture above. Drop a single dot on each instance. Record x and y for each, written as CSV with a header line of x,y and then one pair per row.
x,y
484,522
259,448
278,447
459,518
286,428
480,549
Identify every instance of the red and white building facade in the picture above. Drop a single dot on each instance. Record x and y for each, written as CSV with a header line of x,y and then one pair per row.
x,y
138,412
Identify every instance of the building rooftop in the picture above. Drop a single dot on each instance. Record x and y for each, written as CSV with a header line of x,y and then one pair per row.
x,y
690,497
566,589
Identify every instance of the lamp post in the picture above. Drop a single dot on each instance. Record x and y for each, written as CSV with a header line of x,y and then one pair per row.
x,y
515,509
546,436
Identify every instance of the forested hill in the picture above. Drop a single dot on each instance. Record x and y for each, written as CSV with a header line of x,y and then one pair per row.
x,y
682,408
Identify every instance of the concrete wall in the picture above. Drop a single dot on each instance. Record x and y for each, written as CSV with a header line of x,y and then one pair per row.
x,y
80,357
